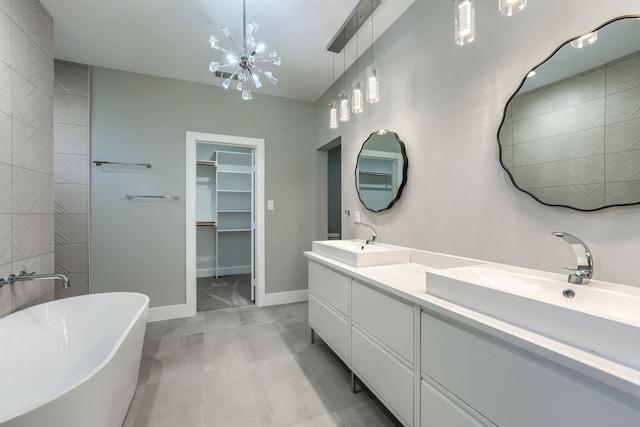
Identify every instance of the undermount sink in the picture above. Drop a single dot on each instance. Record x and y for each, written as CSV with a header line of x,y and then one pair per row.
x,y
357,253
601,318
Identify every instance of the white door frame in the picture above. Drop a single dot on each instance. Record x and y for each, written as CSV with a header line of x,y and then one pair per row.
x,y
192,138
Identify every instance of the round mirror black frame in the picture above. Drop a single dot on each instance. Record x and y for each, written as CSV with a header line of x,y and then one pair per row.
x,y
504,117
405,167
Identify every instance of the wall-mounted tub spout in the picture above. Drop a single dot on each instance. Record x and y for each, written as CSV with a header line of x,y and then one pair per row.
x,y
584,270
23,275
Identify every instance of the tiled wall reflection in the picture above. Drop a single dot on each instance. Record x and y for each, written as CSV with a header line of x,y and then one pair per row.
x,y
577,141
71,176
26,151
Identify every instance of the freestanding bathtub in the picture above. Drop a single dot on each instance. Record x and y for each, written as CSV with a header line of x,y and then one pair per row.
x,y
72,362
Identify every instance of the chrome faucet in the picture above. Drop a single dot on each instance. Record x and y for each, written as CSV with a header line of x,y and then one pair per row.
x,y
373,231
23,275
584,270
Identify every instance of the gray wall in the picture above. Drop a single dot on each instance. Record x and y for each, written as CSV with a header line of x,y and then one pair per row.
x,y
567,142
71,177
446,104
143,118
26,151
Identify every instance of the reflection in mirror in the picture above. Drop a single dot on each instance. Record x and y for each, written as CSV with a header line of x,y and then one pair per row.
x,y
381,170
570,135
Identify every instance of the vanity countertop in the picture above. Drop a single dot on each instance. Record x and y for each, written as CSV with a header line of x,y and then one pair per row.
x,y
407,281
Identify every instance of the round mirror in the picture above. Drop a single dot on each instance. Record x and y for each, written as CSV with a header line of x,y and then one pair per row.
x,y
570,135
381,170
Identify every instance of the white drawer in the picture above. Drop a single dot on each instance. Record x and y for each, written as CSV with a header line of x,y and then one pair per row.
x,y
437,410
511,389
384,317
389,378
331,326
330,286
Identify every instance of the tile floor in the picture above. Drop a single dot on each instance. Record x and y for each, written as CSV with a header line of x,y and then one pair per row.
x,y
246,366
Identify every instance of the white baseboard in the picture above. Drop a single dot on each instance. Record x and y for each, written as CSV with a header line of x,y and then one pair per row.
x,y
182,310
283,297
170,312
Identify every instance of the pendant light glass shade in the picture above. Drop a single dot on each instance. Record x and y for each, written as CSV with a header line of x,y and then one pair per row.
x,y
357,96
585,40
511,7
345,111
373,94
464,21
333,115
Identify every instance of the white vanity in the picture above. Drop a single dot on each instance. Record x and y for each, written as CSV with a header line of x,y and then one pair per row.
x,y
447,361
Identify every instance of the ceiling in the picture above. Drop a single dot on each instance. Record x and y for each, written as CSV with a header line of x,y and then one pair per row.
x,y
170,38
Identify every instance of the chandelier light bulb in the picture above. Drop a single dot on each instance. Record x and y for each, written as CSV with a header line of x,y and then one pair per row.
x,y
246,94
215,43
373,93
585,40
226,32
269,75
226,83
275,61
214,66
333,115
356,97
464,21
256,81
511,7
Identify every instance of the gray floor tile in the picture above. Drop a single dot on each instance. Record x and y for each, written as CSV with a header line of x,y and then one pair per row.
x,y
224,349
367,414
328,420
249,367
295,401
170,401
215,320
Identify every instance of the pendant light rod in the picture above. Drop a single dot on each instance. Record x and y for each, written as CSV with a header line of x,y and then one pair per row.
x,y
359,16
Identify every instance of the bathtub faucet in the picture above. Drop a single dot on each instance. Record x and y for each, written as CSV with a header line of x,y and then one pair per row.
x,y
23,275
584,270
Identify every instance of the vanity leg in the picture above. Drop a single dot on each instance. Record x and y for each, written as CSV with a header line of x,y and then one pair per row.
x,y
313,336
353,383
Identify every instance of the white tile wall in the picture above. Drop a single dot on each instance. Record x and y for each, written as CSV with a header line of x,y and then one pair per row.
x,y
31,104
32,149
71,154
30,61
5,138
26,151
5,38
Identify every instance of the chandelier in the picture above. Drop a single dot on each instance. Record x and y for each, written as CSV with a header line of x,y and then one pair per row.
x,y
244,60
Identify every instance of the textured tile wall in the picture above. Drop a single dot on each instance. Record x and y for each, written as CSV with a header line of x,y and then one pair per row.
x,y
26,151
577,141
71,176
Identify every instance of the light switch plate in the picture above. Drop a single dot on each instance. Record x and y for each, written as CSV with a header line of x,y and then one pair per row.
x,y
270,205
356,216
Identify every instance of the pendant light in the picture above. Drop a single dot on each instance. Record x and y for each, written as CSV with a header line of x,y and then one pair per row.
x,y
373,94
511,7
333,105
356,86
464,21
345,111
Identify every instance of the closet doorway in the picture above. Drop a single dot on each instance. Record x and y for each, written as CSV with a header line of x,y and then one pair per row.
x,y
225,222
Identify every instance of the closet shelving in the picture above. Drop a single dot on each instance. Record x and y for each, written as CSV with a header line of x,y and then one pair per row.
x,y
225,203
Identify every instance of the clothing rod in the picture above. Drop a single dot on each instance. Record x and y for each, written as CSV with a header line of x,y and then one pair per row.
x,y
100,163
375,173
141,196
